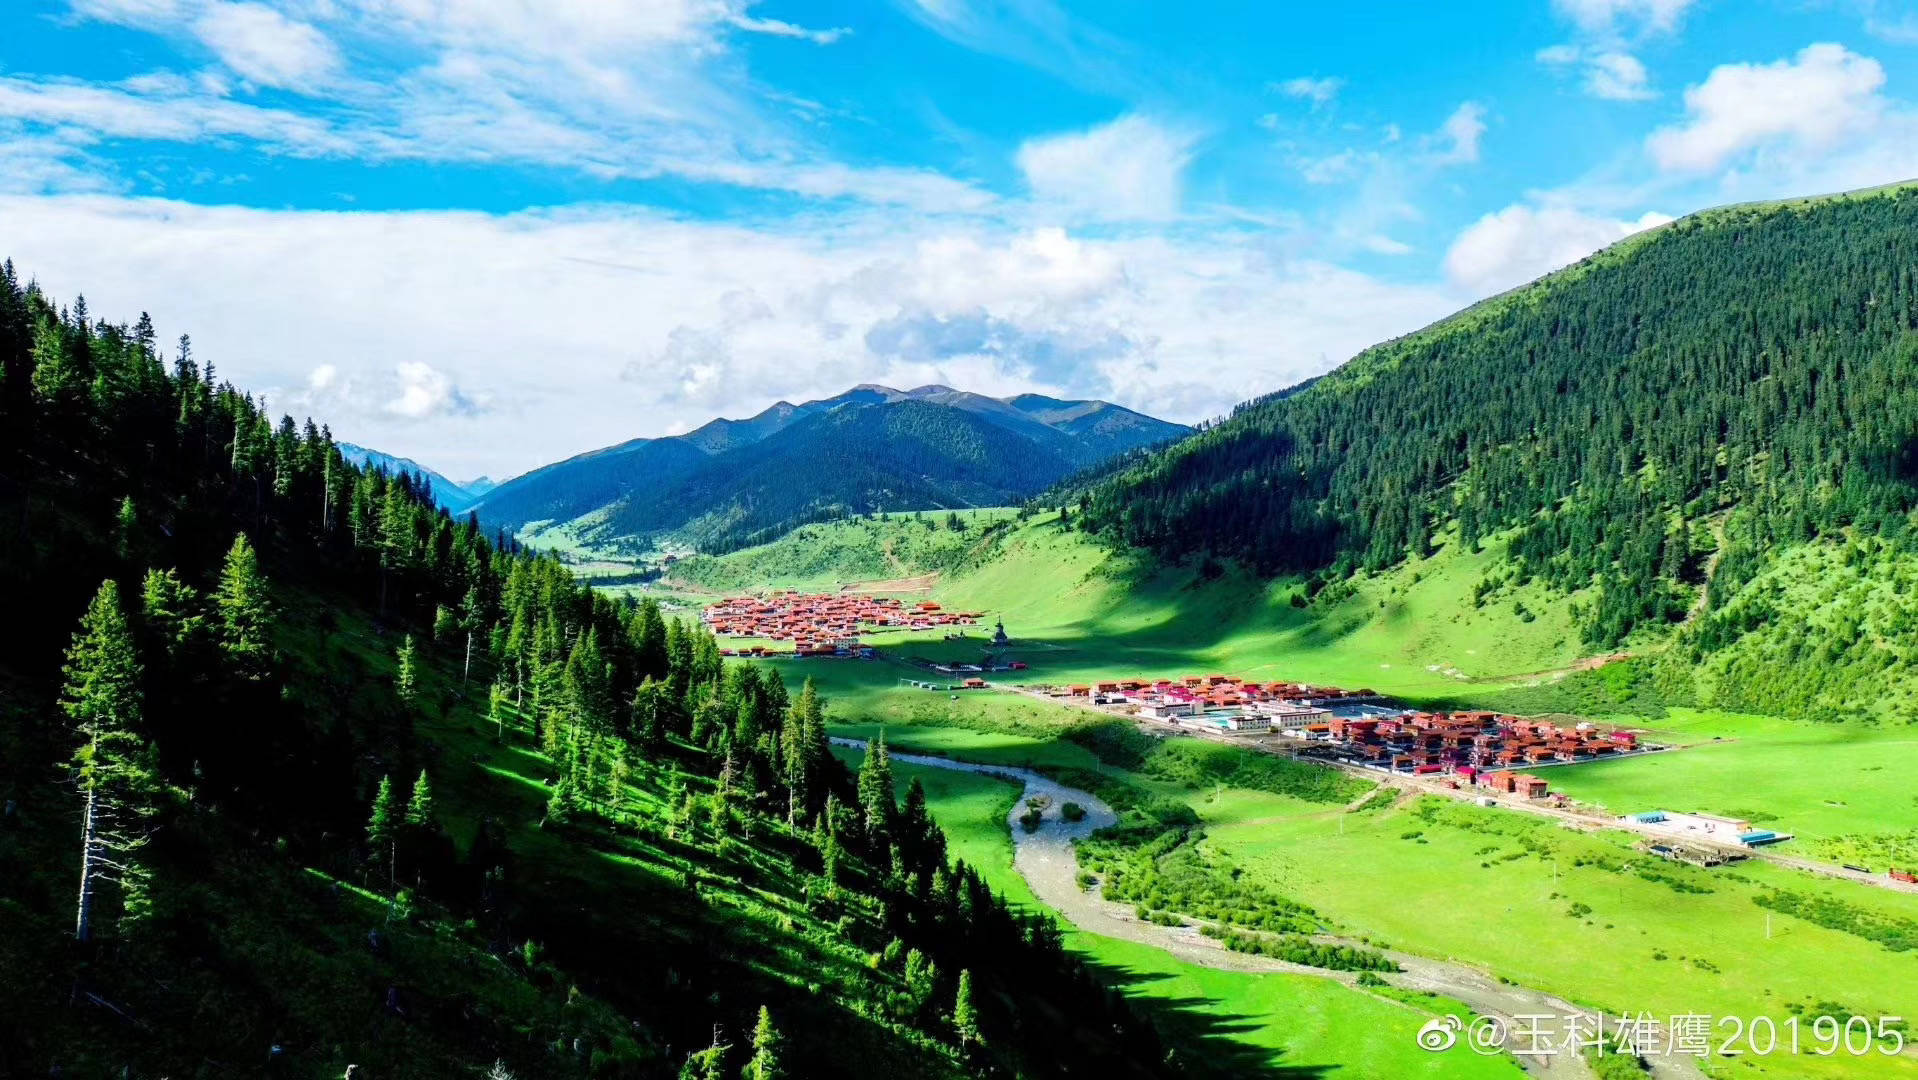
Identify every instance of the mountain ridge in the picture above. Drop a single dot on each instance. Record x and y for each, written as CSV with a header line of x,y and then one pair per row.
x,y
871,447
456,497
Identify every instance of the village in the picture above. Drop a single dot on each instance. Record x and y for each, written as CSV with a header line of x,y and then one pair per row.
x,y
1477,750
1484,755
821,624
1480,755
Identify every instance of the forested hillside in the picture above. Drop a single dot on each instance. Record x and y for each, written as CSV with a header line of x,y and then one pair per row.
x,y
1683,404
732,483
455,497
299,773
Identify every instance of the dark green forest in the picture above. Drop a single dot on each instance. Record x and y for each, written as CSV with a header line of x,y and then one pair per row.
x,y
298,772
1687,401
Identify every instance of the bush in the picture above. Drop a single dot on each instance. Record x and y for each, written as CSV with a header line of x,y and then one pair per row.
x,y
1295,949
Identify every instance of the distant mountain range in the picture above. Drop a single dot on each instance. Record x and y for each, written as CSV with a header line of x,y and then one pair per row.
x,y
458,498
871,448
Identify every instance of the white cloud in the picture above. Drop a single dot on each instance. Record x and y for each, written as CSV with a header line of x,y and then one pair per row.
x,y
1617,76
1600,16
265,47
115,113
127,11
714,317
1130,169
1380,244
1332,169
1520,242
1609,31
1611,73
1319,91
1812,103
635,90
1898,29
426,392
1456,141
781,28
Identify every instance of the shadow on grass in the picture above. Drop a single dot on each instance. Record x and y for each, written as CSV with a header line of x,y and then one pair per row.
x,y
1208,1040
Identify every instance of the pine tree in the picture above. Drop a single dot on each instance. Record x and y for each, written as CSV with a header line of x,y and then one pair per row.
x,y
112,764
419,808
586,686
768,1047
382,828
406,677
647,633
707,1064
808,751
245,612
169,610
472,616
126,531
876,799
965,1017
496,696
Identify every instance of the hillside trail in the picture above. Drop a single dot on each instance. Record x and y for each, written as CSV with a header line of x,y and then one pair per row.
x,y
1711,569
1048,862
919,583
1589,663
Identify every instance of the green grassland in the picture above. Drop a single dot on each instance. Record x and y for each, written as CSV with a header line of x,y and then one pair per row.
x,y
1225,1021
1656,937
1571,913
1836,787
1076,609
1079,611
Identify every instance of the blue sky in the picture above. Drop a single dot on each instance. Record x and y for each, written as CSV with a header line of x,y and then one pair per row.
x,y
489,233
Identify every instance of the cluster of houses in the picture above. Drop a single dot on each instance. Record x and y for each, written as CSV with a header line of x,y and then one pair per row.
x,y
1224,703
1468,744
822,624
1484,751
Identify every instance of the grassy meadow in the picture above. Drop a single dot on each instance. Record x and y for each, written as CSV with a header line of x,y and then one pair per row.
x,y
1584,916
1269,1024
1844,790
1077,610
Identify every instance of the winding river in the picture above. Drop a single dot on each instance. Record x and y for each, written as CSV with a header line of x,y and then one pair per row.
x,y
1046,859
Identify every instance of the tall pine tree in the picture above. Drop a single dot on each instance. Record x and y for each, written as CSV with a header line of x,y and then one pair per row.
x,y
112,763
244,612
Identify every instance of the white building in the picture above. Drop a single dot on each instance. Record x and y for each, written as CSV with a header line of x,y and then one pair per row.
x,y
1720,830
1290,716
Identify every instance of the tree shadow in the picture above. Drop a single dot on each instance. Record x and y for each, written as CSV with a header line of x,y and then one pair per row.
x,y
1208,1039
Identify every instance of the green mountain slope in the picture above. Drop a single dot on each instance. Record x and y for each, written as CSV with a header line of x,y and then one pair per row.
x,y
456,498
1693,398
734,482
350,787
